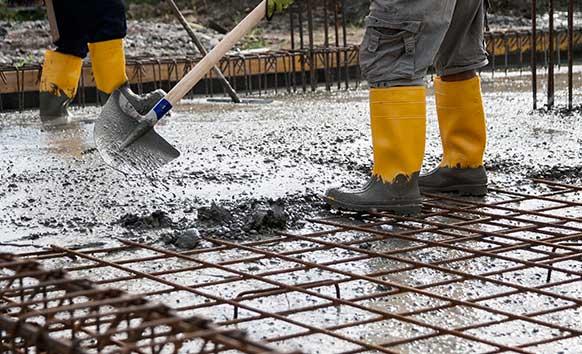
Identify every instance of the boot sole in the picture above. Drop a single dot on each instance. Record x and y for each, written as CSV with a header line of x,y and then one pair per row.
x,y
466,190
404,210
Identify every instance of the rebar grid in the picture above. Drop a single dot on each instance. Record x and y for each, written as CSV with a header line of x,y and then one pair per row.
x,y
46,311
466,276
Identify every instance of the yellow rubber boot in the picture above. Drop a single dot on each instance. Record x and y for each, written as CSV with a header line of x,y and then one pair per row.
x,y
398,117
58,85
108,62
398,131
464,136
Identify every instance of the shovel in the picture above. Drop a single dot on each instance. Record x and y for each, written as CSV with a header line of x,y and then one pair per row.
x,y
124,133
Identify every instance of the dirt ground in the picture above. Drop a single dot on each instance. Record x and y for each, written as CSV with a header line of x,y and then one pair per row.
x,y
245,171
25,42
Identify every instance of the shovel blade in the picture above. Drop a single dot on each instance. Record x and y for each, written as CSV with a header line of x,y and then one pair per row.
x,y
147,154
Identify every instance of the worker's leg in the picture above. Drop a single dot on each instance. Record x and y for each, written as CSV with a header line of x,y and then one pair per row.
x,y
106,47
62,67
401,42
460,105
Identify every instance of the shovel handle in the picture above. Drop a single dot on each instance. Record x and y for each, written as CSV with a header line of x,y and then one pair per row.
x,y
211,59
52,18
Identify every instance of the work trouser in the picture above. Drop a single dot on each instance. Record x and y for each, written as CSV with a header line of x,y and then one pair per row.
x,y
405,37
88,21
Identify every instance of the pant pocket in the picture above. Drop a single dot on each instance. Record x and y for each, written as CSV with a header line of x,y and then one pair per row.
x,y
388,49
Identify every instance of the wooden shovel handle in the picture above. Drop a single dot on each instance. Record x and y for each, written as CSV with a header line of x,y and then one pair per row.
x,y
212,58
52,18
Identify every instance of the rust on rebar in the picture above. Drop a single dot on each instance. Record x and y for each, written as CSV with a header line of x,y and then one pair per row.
x,y
467,272
570,55
50,312
551,56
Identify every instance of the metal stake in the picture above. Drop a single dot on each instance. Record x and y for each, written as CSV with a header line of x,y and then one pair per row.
x,y
551,59
570,54
534,58
229,90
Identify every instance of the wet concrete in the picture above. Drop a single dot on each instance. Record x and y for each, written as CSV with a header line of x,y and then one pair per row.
x,y
380,331
265,165
249,171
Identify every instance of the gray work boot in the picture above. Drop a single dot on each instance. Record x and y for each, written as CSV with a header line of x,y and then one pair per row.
x,y
463,181
54,109
401,197
464,135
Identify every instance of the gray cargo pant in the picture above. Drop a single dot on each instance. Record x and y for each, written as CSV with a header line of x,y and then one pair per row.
x,y
405,37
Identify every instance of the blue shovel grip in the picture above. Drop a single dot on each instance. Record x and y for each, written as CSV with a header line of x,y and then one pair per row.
x,y
162,108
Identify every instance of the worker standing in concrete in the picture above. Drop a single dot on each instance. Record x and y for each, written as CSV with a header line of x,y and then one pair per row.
x,y
403,39
94,26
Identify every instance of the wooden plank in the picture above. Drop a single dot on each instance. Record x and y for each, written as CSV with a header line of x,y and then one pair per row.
x,y
498,46
164,70
161,72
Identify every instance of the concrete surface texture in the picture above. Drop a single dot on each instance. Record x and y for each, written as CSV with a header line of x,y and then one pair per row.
x,y
245,170
248,171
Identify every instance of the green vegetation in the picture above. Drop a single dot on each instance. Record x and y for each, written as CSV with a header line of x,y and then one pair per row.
x,y
28,60
255,40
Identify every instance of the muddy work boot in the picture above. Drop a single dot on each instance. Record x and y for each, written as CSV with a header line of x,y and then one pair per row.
x,y
464,137
401,197
108,63
58,86
462,181
398,117
54,108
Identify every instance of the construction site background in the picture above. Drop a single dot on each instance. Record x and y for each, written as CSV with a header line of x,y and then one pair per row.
x,y
226,12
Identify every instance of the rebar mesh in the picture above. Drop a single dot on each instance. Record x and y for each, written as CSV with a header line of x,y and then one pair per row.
x,y
46,311
466,276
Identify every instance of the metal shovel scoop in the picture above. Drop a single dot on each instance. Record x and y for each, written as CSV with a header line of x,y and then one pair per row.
x,y
124,133
121,118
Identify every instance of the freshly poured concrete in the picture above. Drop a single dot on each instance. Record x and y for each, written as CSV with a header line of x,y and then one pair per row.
x,y
55,189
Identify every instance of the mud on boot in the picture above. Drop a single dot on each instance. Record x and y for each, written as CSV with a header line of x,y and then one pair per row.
x,y
463,181
400,197
398,122
54,109
58,86
463,130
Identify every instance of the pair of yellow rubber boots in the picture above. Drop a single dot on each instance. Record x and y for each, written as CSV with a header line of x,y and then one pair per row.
x,y
61,74
398,119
